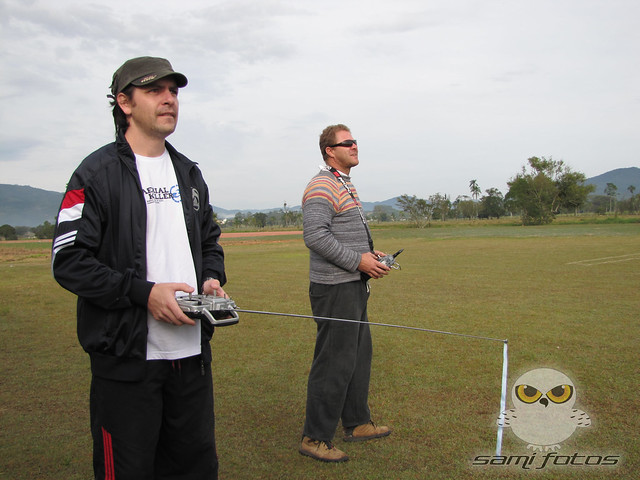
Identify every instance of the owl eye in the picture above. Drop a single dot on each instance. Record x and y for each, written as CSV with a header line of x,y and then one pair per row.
x,y
560,394
527,393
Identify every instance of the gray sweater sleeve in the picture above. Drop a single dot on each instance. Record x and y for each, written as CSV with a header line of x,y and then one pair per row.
x,y
336,242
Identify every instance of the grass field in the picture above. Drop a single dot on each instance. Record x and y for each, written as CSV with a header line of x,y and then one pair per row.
x,y
565,297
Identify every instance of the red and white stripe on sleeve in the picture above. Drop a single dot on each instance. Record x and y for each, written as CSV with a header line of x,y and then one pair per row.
x,y
72,206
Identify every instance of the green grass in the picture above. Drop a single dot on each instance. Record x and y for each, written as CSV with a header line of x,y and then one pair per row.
x,y
565,296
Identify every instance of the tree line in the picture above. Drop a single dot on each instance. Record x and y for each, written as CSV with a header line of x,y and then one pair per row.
x,y
43,231
283,217
540,191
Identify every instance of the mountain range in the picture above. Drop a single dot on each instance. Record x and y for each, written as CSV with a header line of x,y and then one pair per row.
x,y
22,205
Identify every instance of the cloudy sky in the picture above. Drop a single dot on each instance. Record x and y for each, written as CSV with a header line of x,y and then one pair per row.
x,y
437,92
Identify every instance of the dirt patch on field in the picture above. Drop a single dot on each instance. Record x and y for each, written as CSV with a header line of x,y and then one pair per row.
x,y
258,234
16,254
28,251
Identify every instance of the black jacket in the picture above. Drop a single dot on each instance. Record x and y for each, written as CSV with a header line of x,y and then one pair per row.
x,y
99,254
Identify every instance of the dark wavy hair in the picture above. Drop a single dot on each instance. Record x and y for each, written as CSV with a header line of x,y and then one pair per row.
x,y
119,118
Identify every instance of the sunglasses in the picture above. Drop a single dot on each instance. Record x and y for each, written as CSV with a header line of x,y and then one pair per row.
x,y
346,143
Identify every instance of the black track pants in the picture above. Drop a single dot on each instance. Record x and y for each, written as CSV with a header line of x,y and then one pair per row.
x,y
159,428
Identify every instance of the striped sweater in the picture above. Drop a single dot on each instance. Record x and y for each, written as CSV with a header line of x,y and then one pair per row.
x,y
333,230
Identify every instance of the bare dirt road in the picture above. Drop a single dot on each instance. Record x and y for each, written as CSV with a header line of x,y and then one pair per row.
x,y
258,234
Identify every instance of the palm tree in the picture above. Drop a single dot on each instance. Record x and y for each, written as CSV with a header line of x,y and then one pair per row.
x,y
611,190
475,191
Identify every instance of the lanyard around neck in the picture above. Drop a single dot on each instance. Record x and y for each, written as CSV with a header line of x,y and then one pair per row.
x,y
337,174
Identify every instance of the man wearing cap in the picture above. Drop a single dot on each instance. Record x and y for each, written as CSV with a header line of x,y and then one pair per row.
x,y
135,229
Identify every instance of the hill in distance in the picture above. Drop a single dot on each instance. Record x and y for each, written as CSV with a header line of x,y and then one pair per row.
x,y
22,205
622,178
25,206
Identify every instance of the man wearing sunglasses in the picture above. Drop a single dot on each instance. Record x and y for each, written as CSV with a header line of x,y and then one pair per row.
x,y
342,260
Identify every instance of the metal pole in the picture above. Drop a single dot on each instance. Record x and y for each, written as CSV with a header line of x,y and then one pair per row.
x,y
503,395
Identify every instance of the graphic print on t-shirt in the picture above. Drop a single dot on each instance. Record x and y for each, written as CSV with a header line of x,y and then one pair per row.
x,y
160,194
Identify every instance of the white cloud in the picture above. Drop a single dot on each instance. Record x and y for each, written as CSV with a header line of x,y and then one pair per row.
x,y
437,93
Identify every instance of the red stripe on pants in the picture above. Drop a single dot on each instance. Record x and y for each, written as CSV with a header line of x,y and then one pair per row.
x,y
109,473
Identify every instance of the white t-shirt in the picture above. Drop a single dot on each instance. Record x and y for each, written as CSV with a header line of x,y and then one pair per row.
x,y
168,255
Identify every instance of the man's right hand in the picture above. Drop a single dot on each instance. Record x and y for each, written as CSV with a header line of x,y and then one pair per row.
x,y
370,265
163,306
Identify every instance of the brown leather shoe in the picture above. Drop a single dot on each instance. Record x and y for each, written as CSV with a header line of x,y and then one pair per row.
x,y
323,451
365,432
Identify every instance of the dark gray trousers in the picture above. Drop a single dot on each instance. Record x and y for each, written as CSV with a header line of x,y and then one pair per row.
x,y
338,386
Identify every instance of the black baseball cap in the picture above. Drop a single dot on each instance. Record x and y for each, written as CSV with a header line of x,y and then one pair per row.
x,y
142,71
